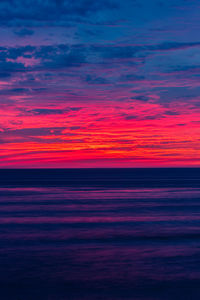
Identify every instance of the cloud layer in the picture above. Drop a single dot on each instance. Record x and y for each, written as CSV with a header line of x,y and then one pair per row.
x,y
99,83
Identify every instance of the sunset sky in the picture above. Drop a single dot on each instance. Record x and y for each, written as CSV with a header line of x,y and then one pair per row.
x,y
108,83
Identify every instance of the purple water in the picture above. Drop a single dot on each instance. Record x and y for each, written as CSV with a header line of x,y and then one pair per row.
x,y
100,234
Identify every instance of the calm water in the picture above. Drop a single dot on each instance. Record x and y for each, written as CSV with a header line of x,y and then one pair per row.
x,y
100,234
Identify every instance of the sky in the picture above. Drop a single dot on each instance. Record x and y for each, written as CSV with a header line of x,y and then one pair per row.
x,y
105,83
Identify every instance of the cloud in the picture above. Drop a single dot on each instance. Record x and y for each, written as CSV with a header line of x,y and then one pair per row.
x,y
4,74
8,68
15,52
45,111
141,98
48,111
171,94
131,77
54,57
52,12
129,117
139,51
115,52
60,56
59,61
75,127
29,132
171,113
24,32
14,91
166,46
96,80
40,59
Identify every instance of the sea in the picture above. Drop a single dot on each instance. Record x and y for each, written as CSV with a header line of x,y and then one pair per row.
x,y
110,234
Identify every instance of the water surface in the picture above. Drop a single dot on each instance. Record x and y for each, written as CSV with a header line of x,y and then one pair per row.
x,y
100,234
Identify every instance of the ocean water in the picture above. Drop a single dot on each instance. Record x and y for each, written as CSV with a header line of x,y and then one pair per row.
x,y
100,234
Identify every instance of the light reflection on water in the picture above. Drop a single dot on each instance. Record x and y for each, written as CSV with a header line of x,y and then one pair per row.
x,y
93,243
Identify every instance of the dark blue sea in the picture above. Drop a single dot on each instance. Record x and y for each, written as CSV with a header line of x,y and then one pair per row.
x,y
100,234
